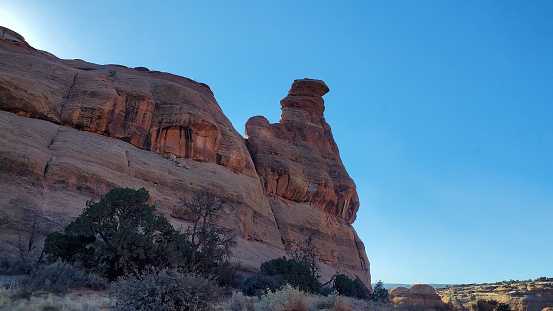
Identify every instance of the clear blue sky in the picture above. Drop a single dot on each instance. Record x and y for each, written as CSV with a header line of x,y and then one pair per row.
x,y
442,110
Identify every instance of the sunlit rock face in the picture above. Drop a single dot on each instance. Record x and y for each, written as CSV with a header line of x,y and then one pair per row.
x,y
527,295
297,158
154,111
309,189
418,297
70,131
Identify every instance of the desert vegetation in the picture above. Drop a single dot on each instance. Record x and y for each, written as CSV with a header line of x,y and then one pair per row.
x,y
119,254
491,305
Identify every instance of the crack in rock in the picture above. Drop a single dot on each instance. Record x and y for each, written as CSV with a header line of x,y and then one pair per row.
x,y
67,96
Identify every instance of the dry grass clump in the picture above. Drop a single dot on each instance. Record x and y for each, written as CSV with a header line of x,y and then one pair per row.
x,y
291,299
333,302
287,298
71,302
56,286
60,277
170,290
336,302
237,302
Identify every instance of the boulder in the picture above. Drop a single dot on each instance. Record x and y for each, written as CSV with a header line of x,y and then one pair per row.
x,y
418,296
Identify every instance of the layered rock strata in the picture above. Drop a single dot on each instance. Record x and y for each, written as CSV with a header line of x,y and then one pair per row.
x,y
151,110
72,130
531,295
297,158
299,166
418,297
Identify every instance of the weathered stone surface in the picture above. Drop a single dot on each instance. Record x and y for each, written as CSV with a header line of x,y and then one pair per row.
x,y
338,243
11,35
72,130
418,296
528,295
309,190
297,158
151,110
48,172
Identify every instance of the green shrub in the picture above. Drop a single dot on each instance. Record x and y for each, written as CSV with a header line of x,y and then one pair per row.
x,y
296,274
68,247
118,235
380,294
121,235
502,307
483,305
492,305
257,285
225,274
351,288
166,289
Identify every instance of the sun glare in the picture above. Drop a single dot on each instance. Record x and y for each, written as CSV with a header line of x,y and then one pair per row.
x,y
9,20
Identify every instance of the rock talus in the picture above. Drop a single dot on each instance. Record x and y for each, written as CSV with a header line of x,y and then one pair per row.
x,y
71,130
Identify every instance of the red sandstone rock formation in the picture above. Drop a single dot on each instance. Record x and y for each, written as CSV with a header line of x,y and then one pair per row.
x,y
154,111
297,158
419,296
72,130
299,167
49,168
536,295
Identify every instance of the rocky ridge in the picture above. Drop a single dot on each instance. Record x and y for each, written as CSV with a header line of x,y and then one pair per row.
x,y
71,130
531,295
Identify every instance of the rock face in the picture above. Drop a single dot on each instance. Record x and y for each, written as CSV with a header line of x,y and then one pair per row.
x,y
297,158
72,130
172,138
153,111
418,297
300,169
528,295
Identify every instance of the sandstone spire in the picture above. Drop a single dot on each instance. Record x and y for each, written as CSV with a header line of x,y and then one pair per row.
x,y
297,158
